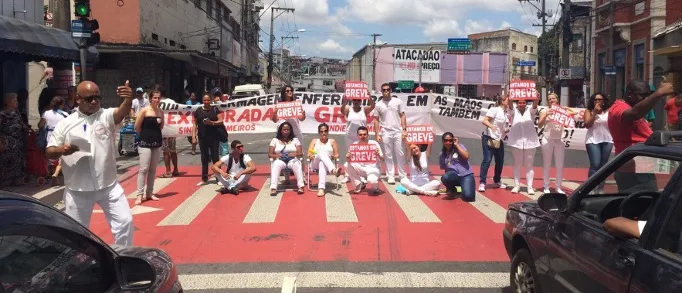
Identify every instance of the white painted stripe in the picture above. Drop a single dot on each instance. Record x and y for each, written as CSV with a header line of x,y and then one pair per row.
x,y
188,210
570,185
45,192
346,280
159,184
339,205
289,285
264,208
489,208
510,184
413,207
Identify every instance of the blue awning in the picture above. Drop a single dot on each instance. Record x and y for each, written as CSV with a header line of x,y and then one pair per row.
x,y
38,42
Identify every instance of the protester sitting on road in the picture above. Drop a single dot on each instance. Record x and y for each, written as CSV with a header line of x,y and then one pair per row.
x,y
207,122
240,166
148,124
370,171
454,159
356,116
419,181
285,150
322,151
552,143
624,227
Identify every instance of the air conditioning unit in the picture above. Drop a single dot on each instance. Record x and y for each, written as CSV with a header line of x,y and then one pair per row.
x,y
258,5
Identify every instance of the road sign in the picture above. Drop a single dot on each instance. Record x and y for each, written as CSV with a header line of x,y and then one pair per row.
x,y
79,30
564,73
526,63
609,70
460,46
450,90
406,84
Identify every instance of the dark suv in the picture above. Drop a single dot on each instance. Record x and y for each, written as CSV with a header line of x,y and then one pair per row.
x,y
559,244
44,250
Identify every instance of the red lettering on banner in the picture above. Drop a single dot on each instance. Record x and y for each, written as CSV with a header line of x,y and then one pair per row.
x,y
184,117
322,115
185,130
240,128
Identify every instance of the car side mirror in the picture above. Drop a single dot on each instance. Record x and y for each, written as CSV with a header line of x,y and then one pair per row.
x,y
134,273
553,202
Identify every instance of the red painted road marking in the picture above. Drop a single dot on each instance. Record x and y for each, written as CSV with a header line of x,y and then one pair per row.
x,y
301,231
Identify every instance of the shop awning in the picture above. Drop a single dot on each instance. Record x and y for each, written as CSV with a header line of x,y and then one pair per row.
x,y
669,51
32,41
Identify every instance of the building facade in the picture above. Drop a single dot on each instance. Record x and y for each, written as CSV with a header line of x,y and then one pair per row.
x,y
193,45
518,46
579,55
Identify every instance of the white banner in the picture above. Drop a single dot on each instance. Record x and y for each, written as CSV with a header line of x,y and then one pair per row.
x,y
460,116
406,65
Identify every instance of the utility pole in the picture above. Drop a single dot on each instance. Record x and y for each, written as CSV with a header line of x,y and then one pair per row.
x,y
61,19
609,54
567,38
272,39
542,48
281,57
374,60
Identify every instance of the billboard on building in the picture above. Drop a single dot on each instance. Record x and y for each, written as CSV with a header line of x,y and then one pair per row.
x,y
406,65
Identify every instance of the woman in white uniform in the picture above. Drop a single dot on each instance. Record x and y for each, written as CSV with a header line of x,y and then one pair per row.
x,y
287,95
285,150
552,143
322,151
523,138
419,181
356,116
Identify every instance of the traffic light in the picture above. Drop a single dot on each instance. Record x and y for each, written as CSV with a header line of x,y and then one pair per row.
x,y
92,25
81,8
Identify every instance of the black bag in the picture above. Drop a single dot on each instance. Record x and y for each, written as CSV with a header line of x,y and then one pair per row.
x,y
241,162
222,132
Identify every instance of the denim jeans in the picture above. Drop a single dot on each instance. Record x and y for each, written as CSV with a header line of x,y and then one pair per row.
x,y
451,180
488,154
599,155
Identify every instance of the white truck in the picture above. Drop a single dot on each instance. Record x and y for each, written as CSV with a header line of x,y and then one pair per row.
x,y
248,90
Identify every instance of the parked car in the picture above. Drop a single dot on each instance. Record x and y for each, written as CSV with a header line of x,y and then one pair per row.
x,y
44,250
558,243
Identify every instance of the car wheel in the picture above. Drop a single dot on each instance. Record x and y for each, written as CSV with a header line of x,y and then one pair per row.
x,y
523,276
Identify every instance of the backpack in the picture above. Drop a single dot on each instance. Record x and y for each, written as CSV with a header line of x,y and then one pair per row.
x,y
230,160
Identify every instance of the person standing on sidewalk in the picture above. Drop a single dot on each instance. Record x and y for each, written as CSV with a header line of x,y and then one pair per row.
x,y
170,155
390,127
148,124
85,142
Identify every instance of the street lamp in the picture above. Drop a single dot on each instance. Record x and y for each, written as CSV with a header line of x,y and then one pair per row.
x,y
420,68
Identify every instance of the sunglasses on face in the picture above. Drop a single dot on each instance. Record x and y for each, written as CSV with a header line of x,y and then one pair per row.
x,y
385,90
288,91
89,99
449,140
239,147
324,131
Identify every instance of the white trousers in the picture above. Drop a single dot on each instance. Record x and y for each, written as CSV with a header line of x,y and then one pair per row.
x,y
112,200
240,183
523,158
147,173
324,164
393,148
419,186
279,165
557,147
357,171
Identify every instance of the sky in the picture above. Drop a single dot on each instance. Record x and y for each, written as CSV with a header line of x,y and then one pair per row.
x,y
339,28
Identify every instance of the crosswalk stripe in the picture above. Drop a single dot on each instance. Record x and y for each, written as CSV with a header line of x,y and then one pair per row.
x,y
345,280
510,182
159,184
489,208
413,207
188,210
264,208
570,185
339,205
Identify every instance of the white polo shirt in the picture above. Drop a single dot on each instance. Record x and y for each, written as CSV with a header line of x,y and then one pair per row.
x,y
96,170
388,114
522,134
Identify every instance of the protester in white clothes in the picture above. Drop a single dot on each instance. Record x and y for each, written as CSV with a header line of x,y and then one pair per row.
x,y
287,95
356,116
598,139
523,138
492,142
285,150
240,166
552,142
139,102
321,152
85,142
50,120
390,126
369,171
420,181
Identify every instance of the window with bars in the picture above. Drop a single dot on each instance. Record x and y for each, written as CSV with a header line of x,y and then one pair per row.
x,y
236,30
209,8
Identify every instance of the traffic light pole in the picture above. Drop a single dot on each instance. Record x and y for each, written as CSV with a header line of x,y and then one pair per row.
x,y
84,59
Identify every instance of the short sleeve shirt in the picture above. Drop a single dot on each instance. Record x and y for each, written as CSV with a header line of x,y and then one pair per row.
x,y
500,119
455,162
381,153
236,166
290,147
388,114
624,133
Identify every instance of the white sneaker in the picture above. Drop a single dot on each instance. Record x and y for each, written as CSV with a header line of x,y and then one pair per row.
x,y
546,190
516,189
531,191
500,185
391,180
558,190
481,187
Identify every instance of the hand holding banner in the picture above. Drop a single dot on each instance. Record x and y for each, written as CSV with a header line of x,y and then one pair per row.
x,y
522,90
420,134
356,90
286,110
363,153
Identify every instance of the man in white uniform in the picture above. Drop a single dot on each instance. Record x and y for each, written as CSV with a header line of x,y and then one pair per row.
x,y
138,103
239,169
369,171
85,143
390,125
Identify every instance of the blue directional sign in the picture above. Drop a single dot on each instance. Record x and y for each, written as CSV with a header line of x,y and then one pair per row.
x,y
459,46
78,29
526,63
